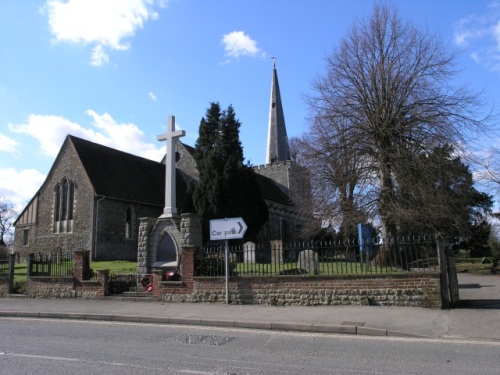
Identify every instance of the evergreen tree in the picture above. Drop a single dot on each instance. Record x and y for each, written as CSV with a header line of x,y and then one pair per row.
x,y
206,194
439,196
226,188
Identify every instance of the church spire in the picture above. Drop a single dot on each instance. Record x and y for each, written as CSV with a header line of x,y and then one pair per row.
x,y
277,140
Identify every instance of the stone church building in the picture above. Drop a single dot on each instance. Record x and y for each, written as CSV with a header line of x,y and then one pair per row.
x,y
93,200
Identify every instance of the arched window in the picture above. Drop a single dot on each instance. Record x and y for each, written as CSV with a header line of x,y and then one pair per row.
x,y
64,196
129,223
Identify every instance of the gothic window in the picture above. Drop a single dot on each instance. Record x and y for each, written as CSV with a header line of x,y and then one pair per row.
x,y
64,197
129,223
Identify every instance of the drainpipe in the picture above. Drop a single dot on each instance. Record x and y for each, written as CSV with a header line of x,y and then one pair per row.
x,y
96,224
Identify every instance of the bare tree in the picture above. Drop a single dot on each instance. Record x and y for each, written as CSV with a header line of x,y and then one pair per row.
x,y
390,83
488,171
7,216
339,185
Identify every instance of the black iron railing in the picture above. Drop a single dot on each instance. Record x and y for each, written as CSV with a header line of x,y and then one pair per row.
x,y
409,254
57,264
4,267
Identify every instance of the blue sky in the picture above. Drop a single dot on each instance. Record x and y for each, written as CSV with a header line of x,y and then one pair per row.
x,y
112,71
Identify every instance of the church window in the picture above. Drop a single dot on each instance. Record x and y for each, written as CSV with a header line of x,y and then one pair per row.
x,y
64,197
26,236
129,223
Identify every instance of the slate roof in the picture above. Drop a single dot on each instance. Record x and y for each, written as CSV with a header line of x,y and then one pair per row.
x,y
120,175
270,190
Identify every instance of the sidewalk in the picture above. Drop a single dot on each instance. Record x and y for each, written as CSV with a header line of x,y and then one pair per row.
x,y
479,320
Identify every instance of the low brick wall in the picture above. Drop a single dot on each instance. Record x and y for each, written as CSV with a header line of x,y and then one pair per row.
x,y
70,287
418,290
4,286
66,287
50,287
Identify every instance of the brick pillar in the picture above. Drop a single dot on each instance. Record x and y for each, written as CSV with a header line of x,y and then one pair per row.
x,y
157,289
81,264
103,280
187,266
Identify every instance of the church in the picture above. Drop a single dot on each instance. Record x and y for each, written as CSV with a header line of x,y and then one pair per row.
x,y
93,200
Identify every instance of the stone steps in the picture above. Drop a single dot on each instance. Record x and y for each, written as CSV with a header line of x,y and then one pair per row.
x,y
132,296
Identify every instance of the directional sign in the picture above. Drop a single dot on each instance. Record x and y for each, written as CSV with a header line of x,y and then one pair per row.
x,y
227,229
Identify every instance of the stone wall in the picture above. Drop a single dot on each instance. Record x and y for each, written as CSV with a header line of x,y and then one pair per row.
x,y
111,242
278,172
186,162
106,214
421,290
42,238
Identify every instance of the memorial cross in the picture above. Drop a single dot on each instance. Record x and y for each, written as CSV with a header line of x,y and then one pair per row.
x,y
170,209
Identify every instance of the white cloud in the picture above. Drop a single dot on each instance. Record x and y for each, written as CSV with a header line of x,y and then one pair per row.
x,y
481,34
20,186
98,57
50,132
103,24
237,44
125,137
8,144
153,96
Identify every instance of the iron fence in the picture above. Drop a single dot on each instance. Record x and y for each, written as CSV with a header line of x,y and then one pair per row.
x,y
408,254
56,264
4,267
123,283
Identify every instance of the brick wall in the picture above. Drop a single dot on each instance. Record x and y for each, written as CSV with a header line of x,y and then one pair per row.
x,y
4,286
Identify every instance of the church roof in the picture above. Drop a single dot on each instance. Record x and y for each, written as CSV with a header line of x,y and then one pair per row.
x,y
120,175
277,139
268,188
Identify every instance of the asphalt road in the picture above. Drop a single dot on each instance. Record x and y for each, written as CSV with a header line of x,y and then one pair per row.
x,y
76,347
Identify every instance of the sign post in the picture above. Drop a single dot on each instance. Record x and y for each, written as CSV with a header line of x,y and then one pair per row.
x,y
227,229
365,242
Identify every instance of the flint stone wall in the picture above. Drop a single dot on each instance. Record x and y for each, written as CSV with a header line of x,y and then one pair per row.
x,y
421,290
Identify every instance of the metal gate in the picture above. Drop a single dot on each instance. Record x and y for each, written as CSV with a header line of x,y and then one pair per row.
x,y
448,273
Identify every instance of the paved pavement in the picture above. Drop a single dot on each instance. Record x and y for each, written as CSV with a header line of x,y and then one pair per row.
x,y
477,319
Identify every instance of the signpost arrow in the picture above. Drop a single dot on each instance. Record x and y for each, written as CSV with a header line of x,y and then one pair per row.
x,y
227,229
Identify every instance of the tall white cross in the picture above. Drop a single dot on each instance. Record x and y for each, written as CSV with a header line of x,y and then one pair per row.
x,y
170,209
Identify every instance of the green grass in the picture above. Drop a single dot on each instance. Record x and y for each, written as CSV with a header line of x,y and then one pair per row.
x,y
117,267
476,265
20,272
325,268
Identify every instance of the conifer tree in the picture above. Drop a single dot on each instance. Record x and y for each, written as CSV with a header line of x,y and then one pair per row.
x,y
227,187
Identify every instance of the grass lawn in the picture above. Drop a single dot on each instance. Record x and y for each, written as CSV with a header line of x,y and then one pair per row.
x,y
480,266
325,268
118,267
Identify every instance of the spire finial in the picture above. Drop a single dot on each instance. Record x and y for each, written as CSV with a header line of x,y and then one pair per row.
x,y
274,61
